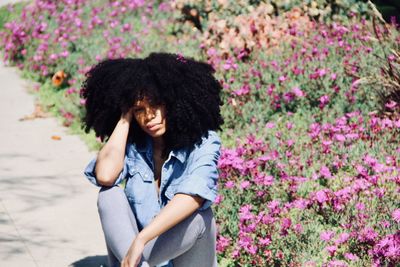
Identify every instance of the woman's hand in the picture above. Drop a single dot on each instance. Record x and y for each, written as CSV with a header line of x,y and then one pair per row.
x,y
134,254
128,115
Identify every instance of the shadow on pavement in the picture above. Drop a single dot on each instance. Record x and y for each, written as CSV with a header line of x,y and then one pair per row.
x,y
91,261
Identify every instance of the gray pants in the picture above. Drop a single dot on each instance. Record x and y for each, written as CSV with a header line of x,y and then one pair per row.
x,y
191,242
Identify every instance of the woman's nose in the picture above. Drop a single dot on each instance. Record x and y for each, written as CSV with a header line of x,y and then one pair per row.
x,y
150,114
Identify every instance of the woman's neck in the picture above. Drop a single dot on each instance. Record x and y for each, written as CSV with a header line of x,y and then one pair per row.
x,y
158,143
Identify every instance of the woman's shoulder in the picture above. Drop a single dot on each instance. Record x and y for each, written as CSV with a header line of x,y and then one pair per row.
x,y
210,138
209,143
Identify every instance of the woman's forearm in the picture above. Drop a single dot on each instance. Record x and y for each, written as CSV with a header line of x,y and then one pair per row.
x,y
180,207
110,159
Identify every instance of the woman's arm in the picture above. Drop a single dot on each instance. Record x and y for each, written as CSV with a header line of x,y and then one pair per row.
x,y
179,208
110,159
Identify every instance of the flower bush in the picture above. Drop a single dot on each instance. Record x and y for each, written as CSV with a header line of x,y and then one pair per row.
x,y
315,196
310,160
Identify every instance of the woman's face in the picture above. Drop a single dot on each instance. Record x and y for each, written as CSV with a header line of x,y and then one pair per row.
x,y
150,118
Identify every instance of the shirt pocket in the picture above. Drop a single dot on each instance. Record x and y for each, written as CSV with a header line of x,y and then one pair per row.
x,y
139,184
171,189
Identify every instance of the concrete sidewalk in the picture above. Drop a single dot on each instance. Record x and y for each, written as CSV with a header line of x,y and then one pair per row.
x,y
48,212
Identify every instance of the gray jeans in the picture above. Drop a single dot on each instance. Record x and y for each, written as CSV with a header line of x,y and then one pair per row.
x,y
191,242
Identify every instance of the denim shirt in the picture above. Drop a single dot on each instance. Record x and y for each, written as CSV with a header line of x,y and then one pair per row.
x,y
189,172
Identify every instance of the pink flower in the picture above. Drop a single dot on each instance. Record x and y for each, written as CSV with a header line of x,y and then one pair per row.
x,y
53,56
126,27
229,184
298,228
244,90
218,199
391,105
396,215
222,243
340,137
326,235
360,206
264,241
270,125
252,249
286,223
298,92
325,172
343,237
274,206
321,196
331,250
235,253
70,91
336,263
367,235
323,101
244,184
64,54
282,78
350,256
322,72
268,180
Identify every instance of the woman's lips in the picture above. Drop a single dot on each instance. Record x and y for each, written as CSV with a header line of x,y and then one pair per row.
x,y
153,127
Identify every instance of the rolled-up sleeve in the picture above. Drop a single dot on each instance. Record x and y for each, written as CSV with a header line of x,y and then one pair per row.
x,y
203,174
90,174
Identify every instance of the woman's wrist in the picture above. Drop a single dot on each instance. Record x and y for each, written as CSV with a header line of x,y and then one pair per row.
x,y
127,117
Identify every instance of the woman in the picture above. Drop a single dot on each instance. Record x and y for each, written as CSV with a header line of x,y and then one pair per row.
x,y
159,115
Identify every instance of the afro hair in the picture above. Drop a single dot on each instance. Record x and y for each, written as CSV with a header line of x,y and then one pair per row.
x,y
186,87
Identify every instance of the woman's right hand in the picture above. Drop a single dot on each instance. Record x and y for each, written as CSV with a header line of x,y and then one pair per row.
x,y
128,115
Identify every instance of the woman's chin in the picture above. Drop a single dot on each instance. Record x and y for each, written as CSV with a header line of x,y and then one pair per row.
x,y
156,133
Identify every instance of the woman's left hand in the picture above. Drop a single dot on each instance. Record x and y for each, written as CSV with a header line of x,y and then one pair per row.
x,y
134,254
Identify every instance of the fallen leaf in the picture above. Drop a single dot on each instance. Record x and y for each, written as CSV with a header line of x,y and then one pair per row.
x,y
37,113
56,137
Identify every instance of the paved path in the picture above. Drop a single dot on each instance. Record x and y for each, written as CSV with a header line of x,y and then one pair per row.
x,y
48,213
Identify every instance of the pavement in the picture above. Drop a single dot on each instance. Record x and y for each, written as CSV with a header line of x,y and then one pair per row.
x,y
48,210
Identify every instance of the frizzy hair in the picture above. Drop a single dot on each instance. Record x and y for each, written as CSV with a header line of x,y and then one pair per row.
x,y
186,87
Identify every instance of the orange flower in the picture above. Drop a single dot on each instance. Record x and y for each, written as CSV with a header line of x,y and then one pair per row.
x,y
58,78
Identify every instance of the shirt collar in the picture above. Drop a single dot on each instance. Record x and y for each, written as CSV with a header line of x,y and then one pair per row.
x,y
180,154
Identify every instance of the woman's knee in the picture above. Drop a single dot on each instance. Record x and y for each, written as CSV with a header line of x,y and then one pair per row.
x,y
109,195
204,220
